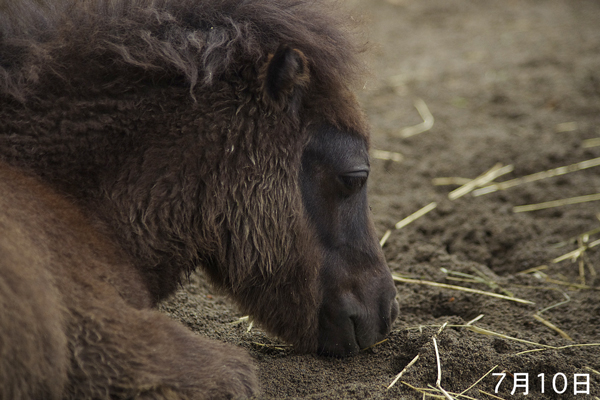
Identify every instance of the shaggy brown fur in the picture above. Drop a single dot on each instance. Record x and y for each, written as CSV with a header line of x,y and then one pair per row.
x,y
147,138
75,319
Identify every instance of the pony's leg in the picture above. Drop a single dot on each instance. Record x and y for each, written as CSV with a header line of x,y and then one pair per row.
x,y
122,352
34,356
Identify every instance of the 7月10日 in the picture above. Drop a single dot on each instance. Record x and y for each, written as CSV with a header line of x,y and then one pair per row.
x,y
559,383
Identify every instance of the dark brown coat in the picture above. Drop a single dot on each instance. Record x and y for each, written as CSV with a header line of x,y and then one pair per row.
x,y
140,140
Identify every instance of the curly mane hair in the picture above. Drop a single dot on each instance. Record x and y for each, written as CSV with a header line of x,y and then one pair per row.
x,y
198,41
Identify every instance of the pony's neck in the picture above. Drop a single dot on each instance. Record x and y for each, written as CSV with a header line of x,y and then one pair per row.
x,y
72,144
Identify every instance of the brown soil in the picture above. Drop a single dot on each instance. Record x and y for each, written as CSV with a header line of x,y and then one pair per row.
x,y
501,80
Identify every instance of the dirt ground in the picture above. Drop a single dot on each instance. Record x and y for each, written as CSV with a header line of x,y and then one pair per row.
x,y
514,82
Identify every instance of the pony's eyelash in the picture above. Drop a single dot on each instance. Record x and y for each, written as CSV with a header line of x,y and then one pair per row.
x,y
353,182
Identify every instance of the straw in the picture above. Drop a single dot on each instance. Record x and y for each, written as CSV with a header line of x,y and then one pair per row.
x,y
483,179
424,126
463,289
557,203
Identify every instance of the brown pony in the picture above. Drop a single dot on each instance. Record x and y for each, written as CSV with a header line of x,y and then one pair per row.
x,y
142,139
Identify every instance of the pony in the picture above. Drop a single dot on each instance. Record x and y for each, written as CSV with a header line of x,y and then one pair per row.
x,y
141,140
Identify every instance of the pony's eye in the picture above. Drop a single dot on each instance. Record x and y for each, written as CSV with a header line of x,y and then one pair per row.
x,y
354,180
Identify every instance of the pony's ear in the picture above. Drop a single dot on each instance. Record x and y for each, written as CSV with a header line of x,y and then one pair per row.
x,y
285,72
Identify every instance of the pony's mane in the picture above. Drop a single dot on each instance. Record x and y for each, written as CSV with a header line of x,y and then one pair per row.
x,y
196,41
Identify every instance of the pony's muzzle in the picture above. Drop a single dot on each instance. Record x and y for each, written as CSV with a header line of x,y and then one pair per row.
x,y
356,320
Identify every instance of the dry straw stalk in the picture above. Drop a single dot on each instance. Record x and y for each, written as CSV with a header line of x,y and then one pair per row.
x,y
463,289
495,172
424,126
594,162
557,203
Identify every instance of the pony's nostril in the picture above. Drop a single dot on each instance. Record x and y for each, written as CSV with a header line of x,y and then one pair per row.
x,y
388,312
395,310
392,315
